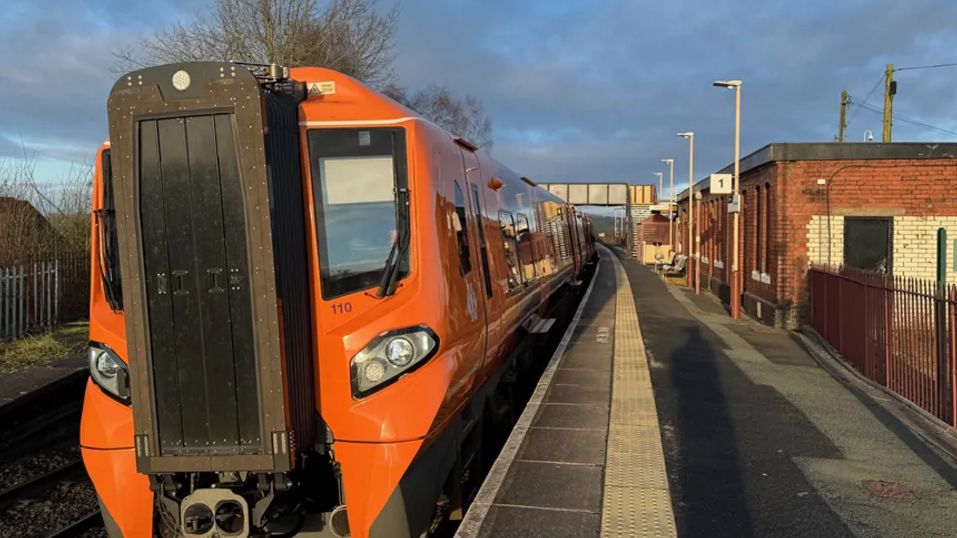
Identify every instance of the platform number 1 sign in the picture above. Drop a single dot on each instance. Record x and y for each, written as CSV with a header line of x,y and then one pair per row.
x,y
720,183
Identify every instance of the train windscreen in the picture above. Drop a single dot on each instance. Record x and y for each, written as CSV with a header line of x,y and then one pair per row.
x,y
356,176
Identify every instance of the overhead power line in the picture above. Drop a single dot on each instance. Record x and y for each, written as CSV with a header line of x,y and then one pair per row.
x,y
935,66
868,106
869,94
888,111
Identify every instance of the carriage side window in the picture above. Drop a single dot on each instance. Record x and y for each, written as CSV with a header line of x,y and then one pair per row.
x,y
510,246
526,253
105,218
560,231
460,224
483,246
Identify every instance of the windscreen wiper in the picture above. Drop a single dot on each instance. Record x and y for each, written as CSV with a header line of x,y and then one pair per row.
x,y
392,264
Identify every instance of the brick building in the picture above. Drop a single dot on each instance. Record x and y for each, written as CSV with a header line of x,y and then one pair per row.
x,y
868,205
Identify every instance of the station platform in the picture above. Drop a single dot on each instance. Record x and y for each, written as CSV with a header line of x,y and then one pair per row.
x,y
585,458
659,415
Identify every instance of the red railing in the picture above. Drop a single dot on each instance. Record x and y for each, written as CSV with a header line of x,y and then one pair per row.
x,y
900,332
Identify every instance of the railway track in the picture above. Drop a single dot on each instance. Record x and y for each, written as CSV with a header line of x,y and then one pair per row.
x,y
36,486
44,490
88,522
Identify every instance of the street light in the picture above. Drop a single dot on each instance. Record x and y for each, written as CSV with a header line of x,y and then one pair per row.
x,y
661,185
671,199
735,270
692,237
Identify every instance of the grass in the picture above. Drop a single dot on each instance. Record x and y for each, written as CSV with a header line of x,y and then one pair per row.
x,y
43,349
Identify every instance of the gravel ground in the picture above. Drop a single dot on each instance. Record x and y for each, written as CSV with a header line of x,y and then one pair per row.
x,y
94,533
35,465
64,502
61,503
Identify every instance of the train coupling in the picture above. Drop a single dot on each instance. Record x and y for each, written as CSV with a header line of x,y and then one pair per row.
x,y
214,513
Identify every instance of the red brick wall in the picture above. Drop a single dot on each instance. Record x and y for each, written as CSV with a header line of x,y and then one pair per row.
x,y
920,187
782,197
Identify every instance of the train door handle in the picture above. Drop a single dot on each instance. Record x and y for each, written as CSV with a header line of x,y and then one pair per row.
x,y
162,284
178,277
213,275
235,278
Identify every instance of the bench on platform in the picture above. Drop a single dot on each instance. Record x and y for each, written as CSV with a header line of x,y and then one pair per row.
x,y
677,268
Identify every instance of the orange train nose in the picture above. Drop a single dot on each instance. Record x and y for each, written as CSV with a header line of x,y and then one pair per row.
x,y
125,494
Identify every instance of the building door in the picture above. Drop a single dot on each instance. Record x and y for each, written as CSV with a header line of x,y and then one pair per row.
x,y
869,243
197,285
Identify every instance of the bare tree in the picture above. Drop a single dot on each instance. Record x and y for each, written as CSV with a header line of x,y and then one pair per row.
x,y
67,207
463,116
40,221
350,36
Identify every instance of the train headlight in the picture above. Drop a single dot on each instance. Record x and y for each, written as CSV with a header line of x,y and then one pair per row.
x,y
389,356
109,372
399,351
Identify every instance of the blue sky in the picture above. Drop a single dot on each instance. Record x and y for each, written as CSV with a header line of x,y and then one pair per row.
x,y
577,91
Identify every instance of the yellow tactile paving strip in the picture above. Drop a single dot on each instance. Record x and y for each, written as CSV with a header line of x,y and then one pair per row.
x,y
636,501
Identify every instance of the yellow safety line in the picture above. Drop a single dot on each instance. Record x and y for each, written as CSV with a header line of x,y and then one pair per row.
x,y
637,501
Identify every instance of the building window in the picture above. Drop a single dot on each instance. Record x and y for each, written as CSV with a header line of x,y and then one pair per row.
x,y
759,229
766,260
868,243
460,223
715,227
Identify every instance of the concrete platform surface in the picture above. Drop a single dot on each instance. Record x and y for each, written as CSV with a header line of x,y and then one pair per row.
x,y
761,441
585,458
662,417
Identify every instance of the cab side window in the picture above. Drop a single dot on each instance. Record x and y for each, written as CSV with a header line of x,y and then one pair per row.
x,y
105,219
460,224
526,255
510,245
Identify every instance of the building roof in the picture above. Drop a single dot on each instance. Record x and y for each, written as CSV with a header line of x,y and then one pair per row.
x,y
655,218
24,231
833,151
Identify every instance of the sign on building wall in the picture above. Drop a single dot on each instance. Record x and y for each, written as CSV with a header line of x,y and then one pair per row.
x,y
734,203
721,183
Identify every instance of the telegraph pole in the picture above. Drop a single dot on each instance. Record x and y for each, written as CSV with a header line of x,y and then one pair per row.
x,y
890,89
845,98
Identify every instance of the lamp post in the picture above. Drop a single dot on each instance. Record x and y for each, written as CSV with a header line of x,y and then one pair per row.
x,y
671,199
661,185
693,239
735,270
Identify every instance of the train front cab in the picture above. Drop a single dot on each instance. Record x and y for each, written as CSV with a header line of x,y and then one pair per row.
x,y
409,324
395,419
106,434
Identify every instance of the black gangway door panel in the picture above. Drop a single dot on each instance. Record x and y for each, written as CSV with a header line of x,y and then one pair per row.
x,y
197,286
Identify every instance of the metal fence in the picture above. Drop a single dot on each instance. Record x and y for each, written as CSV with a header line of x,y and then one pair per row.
x,y
30,298
900,332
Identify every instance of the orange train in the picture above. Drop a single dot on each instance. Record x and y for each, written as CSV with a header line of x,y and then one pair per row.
x,y
309,306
